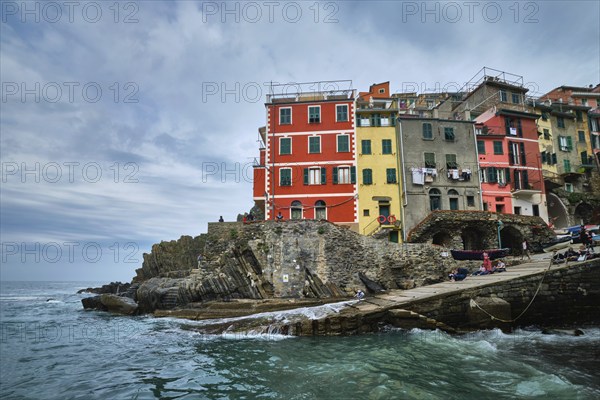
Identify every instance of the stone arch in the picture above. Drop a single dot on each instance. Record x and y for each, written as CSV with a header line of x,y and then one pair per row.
x,y
558,213
472,238
442,238
511,238
584,213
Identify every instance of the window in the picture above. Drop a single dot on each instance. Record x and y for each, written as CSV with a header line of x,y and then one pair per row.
x,y
517,210
470,201
581,136
449,134
365,146
314,144
498,147
516,153
579,115
296,210
367,176
451,161
343,143
565,143
285,116
386,146
366,212
480,147
285,177
544,157
381,91
544,116
453,199
554,160
320,210
594,125
427,131
567,165
547,135
285,145
429,159
584,102
516,98
435,200
315,176
390,174
569,187
560,122
341,113
344,175
503,96
314,114
584,158
375,119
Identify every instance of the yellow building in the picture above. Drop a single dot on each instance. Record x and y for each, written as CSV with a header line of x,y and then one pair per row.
x,y
378,175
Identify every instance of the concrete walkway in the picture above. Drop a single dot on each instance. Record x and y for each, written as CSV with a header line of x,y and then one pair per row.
x,y
402,298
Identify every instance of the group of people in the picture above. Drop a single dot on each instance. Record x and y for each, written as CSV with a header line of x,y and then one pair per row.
x,y
586,238
584,253
248,217
486,268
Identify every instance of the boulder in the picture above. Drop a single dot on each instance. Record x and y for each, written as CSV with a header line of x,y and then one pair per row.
x,y
118,304
93,303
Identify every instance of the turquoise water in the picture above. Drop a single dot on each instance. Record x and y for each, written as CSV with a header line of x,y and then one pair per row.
x,y
51,349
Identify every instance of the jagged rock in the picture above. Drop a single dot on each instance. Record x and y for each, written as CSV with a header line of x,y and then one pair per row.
x,y
93,303
113,287
118,304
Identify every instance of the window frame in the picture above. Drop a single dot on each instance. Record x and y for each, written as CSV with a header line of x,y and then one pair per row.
x,y
281,176
337,143
481,147
309,114
309,144
280,115
430,165
449,163
449,135
430,131
495,144
337,113
281,139
383,147
362,146
367,176
388,176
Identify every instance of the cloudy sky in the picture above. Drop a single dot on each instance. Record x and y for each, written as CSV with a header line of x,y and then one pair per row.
x,y
124,124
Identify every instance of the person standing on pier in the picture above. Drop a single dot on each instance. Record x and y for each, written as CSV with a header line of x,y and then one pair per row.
x,y
525,252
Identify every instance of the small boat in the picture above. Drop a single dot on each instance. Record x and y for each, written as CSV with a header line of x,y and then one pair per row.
x,y
557,244
478,254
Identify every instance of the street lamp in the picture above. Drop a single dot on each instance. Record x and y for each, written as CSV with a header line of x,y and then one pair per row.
x,y
500,225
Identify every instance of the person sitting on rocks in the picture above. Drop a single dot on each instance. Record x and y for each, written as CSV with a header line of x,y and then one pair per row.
x,y
458,274
359,294
500,266
481,271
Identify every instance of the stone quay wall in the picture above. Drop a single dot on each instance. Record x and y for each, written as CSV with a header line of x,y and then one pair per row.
x,y
568,295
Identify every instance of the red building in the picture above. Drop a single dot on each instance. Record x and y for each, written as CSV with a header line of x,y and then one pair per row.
x,y
509,163
307,167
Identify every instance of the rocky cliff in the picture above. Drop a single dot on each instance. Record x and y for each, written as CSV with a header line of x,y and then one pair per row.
x,y
291,259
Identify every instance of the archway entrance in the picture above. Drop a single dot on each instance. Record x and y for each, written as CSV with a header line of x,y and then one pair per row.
x,y
511,238
557,212
584,213
442,238
472,238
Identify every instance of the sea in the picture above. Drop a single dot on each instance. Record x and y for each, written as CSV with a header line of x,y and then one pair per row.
x,y
50,348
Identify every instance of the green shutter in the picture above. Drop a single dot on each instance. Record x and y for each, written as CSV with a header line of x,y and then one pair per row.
x,y
511,154
519,128
352,174
507,174
323,175
335,175
525,180
491,174
569,143
306,176
523,159
507,123
554,159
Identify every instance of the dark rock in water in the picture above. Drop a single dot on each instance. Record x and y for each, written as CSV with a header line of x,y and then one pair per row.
x,y
118,304
113,287
568,332
93,303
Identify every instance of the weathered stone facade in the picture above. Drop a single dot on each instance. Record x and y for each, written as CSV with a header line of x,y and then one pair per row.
x,y
478,230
